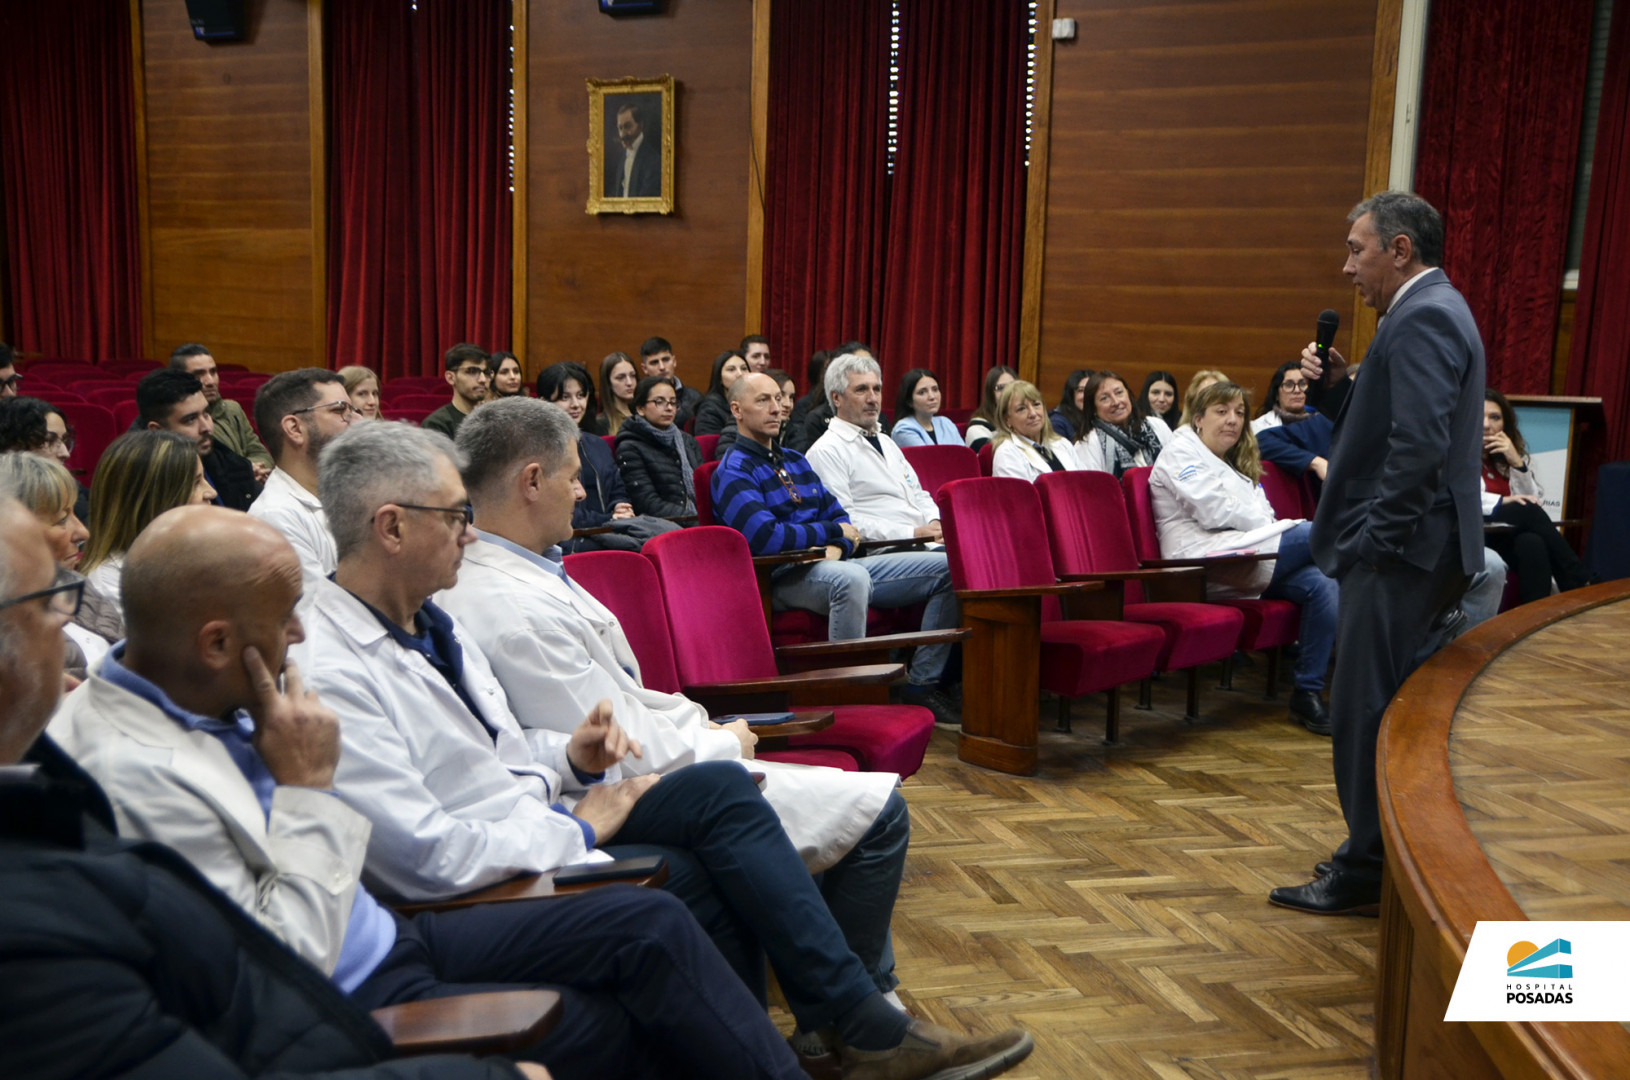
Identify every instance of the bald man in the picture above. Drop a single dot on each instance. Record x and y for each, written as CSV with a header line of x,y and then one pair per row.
x,y
197,746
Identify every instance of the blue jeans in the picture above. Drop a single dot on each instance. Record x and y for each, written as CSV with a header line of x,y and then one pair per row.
x,y
1297,579
843,590
1483,595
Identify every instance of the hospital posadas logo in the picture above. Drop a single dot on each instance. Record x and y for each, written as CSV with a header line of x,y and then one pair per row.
x,y
1535,974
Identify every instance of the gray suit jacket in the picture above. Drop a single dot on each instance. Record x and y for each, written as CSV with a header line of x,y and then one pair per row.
x,y
1408,439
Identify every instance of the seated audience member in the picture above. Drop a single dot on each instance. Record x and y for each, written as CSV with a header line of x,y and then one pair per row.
x,y
141,475
507,378
1208,498
465,368
1159,398
172,400
1119,436
813,426
1286,402
551,645
232,429
1026,446
190,704
47,490
1069,418
618,377
815,372
917,419
755,349
1198,383
9,379
1512,496
461,797
300,412
776,499
982,424
118,958
789,398
655,458
32,426
713,411
568,385
362,387
657,358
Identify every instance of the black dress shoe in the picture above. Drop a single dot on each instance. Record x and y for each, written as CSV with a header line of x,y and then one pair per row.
x,y
1336,893
1308,709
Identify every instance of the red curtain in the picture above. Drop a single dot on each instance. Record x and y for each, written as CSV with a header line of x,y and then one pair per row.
x,y
419,186
956,208
1499,142
68,180
826,180
1600,362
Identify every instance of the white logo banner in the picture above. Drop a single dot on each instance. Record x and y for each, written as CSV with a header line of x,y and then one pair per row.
x,y
1544,972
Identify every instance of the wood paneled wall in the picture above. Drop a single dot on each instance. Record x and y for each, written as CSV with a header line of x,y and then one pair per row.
x,y
1203,159
602,282
234,187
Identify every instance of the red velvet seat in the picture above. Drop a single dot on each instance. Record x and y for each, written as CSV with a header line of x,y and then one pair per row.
x,y
1291,497
718,636
94,427
55,395
110,395
1269,624
125,368
414,384
937,466
987,459
1088,534
59,371
707,444
997,543
124,415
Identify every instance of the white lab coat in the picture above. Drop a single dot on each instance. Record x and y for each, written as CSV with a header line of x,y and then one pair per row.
x,y
1094,451
1203,506
1018,457
451,810
298,515
880,494
295,873
557,651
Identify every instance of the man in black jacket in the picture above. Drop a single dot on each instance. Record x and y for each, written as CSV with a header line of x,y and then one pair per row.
x,y
657,359
172,400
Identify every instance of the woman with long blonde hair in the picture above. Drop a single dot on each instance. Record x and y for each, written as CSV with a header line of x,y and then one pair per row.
x,y
1026,446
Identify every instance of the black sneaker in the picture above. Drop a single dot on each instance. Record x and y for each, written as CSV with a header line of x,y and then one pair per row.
x,y
1308,709
935,701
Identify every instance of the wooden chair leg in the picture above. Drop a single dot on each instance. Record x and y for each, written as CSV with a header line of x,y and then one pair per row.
x,y
1193,713
1227,682
1145,695
1064,718
1274,655
1112,719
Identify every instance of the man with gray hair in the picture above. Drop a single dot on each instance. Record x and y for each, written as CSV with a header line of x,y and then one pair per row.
x,y
300,412
462,796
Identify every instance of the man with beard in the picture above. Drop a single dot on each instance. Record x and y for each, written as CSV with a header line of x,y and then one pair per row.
x,y
298,412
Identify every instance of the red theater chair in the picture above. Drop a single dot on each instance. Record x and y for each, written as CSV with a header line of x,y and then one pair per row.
x,y
707,444
937,466
1025,638
1291,498
94,427
109,396
987,459
1091,540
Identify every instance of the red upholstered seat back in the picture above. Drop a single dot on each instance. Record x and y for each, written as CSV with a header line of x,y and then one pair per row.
x,y
994,536
1288,495
703,479
1140,511
987,459
707,444
627,584
937,466
94,427
715,615
1086,525
124,415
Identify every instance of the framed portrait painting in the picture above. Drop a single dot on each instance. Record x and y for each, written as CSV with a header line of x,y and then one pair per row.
x,y
631,146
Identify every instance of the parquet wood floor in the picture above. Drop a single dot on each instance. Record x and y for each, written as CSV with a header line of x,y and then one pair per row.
x,y
1115,906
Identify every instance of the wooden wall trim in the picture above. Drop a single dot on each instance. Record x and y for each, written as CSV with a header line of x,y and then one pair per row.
x,y
518,20
1389,19
144,232
758,141
318,91
1035,200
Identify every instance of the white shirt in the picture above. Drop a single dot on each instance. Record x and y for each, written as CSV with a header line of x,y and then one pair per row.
x,y
296,513
1392,305
1095,453
106,579
880,492
628,161
1018,457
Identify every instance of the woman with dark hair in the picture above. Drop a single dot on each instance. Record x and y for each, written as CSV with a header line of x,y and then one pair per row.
x,y
1119,436
1286,401
1534,549
507,377
618,377
1159,398
983,423
656,458
713,411
816,372
569,386
1069,417
38,427
916,410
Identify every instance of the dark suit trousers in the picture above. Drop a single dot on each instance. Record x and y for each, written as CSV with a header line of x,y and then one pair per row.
x,y
1382,636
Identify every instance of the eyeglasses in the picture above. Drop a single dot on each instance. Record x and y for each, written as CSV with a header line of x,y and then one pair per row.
x,y
1293,387
343,409
11,382
52,439
472,372
466,512
786,482
66,593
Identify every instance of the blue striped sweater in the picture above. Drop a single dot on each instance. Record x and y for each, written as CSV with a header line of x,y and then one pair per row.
x,y
750,498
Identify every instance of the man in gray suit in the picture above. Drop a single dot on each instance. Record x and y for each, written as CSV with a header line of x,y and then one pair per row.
x,y
1399,523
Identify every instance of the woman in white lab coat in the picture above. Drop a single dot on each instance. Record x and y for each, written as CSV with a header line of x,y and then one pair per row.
x,y
1027,447
1120,436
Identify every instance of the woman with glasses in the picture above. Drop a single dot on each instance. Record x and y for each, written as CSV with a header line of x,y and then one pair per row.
x,y
657,459
38,427
141,475
47,490
1286,402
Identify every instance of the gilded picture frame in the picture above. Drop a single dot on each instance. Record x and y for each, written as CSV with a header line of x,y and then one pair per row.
x,y
631,146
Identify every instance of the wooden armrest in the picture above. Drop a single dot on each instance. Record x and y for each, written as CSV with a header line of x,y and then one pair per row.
x,y
1064,588
1169,573
810,650
594,530
1212,560
526,887
823,679
802,555
490,1023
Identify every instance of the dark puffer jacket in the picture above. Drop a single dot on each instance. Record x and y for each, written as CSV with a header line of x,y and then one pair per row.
x,y
119,959
712,414
651,470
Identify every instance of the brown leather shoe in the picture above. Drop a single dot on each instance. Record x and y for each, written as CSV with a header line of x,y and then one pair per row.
x,y
930,1052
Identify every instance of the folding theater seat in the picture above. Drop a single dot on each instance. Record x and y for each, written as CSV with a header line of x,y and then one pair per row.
x,y
937,466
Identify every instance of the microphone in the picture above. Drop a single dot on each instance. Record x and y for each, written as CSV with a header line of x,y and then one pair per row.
x,y
1326,333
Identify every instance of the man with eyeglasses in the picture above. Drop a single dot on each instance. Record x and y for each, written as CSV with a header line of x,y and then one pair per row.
x,y
299,412
469,374
232,428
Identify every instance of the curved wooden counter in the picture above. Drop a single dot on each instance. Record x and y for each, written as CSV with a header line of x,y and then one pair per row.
x,y
1441,881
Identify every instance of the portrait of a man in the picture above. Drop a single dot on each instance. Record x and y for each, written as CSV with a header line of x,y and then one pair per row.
x,y
633,168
